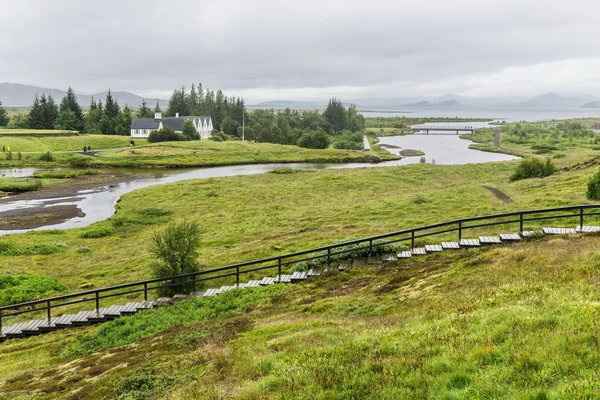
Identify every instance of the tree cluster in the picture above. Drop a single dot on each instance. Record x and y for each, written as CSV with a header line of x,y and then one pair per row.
x,y
226,112
43,113
108,119
167,134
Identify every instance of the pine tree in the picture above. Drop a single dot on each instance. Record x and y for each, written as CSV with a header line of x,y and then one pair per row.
x,y
92,118
201,105
50,112
335,115
178,104
144,111
192,101
3,115
35,119
218,111
69,103
111,107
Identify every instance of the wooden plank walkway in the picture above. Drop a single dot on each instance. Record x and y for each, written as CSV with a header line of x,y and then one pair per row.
x,y
35,327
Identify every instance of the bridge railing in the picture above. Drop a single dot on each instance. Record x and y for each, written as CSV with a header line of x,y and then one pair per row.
x,y
235,272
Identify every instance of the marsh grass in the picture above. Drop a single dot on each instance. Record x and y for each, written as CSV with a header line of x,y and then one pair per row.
x,y
19,184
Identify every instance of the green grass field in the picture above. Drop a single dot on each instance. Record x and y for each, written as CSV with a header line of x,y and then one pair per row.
x,y
35,132
507,322
64,143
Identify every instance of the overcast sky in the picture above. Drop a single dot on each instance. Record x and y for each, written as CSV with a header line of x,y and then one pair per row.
x,y
304,50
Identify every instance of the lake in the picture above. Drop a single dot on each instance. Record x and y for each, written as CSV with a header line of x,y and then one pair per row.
x,y
506,114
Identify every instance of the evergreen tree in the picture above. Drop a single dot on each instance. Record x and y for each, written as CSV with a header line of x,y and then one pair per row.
x,y
218,113
50,112
3,115
335,115
35,120
111,108
201,100
144,111
92,117
124,124
178,103
355,122
69,103
66,121
192,101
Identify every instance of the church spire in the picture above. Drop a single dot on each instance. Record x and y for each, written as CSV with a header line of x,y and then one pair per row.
x,y
157,113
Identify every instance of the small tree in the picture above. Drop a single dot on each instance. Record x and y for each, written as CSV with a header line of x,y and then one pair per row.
x,y
189,131
593,187
176,250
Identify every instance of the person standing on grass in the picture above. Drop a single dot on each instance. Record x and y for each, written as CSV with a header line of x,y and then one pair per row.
x,y
3,149
84,149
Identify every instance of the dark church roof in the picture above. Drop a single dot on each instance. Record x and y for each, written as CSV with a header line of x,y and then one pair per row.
x,y
157,108
144,123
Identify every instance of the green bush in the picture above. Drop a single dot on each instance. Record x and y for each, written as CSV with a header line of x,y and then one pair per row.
x,y
176,251
533,167
189,131
284,171
19,156
593,187
314,140
47,156
166,134
349,141
219,137
351,251
96,233
154,212
19,288
79,161
11,249
9,155
144,383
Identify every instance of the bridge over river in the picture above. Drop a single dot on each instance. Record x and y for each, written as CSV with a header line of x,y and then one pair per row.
x,y
443,130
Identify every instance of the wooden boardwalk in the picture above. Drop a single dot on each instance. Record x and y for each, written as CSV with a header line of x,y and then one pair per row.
x,y
36,327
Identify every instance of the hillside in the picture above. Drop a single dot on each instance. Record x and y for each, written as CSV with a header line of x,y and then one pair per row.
x,y
18,95
591,104
466,324
555,100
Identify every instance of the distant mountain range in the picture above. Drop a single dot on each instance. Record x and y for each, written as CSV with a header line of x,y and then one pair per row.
x,y
449,100
591,104
18,95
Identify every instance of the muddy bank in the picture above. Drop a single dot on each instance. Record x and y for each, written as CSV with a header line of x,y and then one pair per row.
x,y
49,205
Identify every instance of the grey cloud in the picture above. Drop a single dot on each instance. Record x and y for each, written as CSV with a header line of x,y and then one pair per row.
x,y
378,47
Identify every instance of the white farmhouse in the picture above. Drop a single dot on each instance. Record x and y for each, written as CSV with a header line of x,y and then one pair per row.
x,y
141,127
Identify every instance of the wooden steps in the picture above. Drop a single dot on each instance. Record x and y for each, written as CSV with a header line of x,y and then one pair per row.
x,y
81,318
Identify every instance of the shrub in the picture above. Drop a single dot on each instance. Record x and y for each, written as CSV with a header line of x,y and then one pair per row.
x,y
19,156
189,131
219,137
314,140
349,141
166,134
154,212
9,155
19,288
533,167
422,160
349,252
47,156
78,161
593,187
96,233
560,155
176,249
284,171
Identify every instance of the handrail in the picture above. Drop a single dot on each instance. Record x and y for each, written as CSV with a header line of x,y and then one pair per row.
x,y
457,225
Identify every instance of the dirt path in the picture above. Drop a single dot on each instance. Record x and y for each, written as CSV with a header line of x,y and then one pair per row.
x,y
500,195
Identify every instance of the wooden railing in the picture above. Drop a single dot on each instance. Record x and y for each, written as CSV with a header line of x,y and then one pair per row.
x,y
278,263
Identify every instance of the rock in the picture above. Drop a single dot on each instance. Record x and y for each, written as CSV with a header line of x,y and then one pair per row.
x,y
88,285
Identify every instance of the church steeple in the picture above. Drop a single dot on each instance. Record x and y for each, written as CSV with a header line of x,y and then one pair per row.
x,y
157,113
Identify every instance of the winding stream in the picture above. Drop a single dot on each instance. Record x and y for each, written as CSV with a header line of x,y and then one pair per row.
x,y
99,204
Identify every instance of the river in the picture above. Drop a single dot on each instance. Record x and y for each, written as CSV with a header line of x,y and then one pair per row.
x,y
99,204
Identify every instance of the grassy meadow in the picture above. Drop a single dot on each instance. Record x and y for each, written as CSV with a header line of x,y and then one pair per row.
x,y
505,322
28,144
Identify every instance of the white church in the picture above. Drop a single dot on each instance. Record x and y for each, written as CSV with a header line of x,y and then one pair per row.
x,y
141,127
